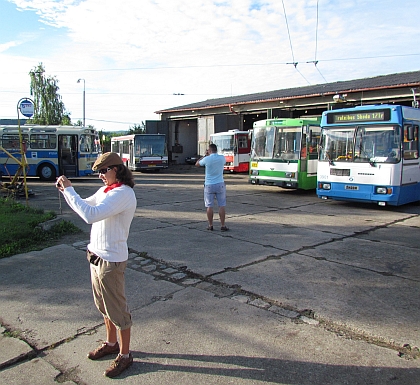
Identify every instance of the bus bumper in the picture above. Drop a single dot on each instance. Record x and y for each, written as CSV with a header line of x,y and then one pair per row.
x,y
358,193
278,183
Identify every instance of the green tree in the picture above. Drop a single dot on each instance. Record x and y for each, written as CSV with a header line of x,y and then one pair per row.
x,y
137,129
105,138
49,108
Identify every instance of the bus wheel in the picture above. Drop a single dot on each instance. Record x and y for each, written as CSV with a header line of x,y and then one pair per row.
x,y
46,172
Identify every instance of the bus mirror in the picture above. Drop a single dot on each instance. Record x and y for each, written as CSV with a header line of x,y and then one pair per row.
x,y
410,133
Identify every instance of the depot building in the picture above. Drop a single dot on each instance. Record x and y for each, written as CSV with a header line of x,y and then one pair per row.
x,y
188,127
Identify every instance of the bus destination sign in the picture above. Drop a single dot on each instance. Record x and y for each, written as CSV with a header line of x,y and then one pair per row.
x,y
359,116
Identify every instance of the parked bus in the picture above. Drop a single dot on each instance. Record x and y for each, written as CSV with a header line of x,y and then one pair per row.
x,y
142,152
284,152
370,154
50,150
235,145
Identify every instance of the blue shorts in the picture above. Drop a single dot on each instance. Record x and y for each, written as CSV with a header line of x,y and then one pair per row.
x,y
213,191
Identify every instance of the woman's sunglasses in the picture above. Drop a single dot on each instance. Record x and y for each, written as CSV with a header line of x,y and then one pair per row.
x,y
104,170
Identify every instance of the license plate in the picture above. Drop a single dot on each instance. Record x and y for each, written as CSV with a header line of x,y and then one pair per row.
x,y
151,165
347,187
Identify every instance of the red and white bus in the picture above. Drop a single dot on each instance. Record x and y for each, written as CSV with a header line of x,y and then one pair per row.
x,y
141,152
235,145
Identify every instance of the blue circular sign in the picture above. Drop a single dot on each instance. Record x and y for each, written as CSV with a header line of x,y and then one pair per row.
x,y
26,108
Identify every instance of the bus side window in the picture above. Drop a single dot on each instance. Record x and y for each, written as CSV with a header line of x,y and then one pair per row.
x,y
85,143
11,142
243,141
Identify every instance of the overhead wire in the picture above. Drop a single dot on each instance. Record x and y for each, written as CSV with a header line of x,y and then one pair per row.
x,y
316,40
232,65
288,32
291,47
316,30
315,61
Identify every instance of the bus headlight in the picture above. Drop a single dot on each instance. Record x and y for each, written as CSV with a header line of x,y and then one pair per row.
x,y
324,186
383,190
290,174
254,172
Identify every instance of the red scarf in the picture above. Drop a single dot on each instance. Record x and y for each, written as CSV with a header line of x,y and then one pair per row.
x,y
114,185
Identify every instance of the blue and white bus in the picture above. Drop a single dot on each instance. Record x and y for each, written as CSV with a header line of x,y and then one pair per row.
x,y
370,154
49,150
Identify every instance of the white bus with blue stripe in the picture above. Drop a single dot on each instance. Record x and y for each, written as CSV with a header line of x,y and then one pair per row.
x,y
370,154
49,150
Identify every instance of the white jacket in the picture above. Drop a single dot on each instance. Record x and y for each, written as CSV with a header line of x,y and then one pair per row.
x,y
110,214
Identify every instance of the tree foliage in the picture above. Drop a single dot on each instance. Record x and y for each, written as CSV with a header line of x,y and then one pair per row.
x,y
49,108
137,129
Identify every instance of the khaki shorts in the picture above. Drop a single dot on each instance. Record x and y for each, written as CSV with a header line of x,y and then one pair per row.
x,y
108,285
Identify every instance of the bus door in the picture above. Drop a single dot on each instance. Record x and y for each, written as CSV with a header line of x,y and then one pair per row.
x,y
410,159
243,147
312,142
67,155
309,150
132,157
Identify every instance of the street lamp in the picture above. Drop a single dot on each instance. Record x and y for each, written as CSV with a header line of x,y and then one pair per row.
x,y
84,104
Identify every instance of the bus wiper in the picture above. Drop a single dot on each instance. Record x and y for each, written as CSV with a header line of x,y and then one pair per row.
x,y
331,163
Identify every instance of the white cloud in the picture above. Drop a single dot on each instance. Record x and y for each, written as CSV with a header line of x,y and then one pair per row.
x,y
6,46
135,54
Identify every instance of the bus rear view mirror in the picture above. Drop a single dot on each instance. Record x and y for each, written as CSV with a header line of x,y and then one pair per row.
x,y
410,133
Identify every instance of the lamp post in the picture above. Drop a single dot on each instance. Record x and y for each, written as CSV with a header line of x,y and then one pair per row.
x,y
84,104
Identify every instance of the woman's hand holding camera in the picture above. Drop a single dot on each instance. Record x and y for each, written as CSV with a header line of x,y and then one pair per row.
x,y
62,182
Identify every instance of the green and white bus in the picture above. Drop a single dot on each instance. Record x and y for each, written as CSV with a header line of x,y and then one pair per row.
x,y
284,152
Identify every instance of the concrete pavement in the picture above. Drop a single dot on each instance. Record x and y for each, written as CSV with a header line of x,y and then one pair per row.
x,y
299,291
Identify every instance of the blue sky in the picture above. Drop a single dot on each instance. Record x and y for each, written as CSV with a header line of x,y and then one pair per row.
x,y
136,54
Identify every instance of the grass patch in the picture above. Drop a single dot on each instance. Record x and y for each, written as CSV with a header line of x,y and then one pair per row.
x,y
20,234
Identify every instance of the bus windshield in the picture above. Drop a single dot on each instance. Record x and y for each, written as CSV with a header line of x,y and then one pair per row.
x,y
224,142
150,145
371,144
89,143
277,142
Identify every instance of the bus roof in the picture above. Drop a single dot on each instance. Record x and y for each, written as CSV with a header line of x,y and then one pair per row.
x,y
230,133
288,122
131,136
46,128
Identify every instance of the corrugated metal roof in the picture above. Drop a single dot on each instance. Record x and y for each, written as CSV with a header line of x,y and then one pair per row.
x,y
377,82
12,122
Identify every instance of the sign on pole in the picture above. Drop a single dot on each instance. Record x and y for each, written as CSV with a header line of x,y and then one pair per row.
x,y
26,107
